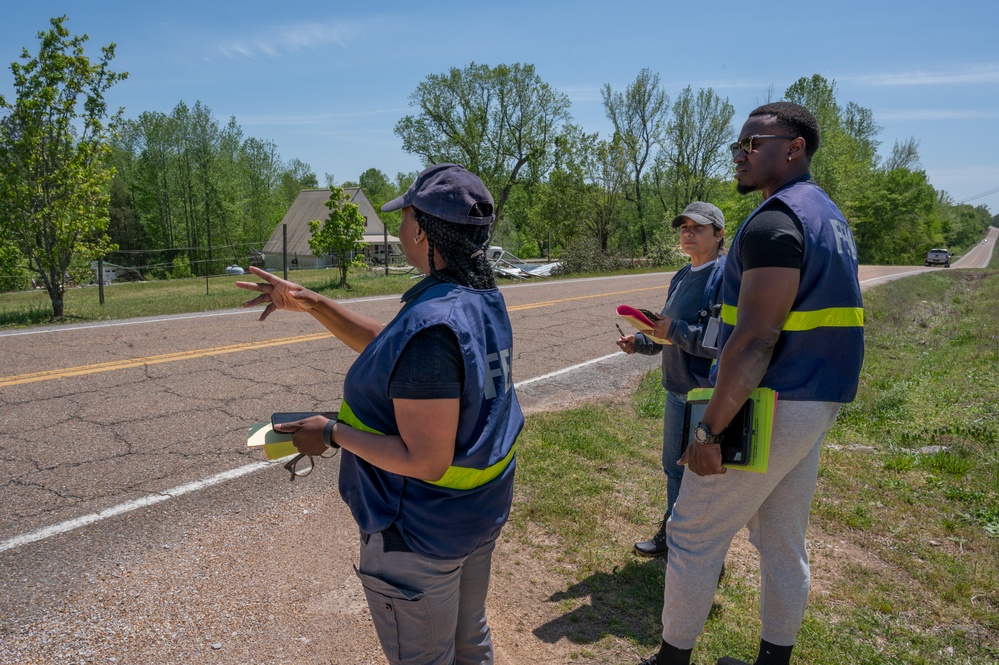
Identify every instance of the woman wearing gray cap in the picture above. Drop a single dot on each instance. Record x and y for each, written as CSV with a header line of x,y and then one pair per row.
x,y
428,425
692,295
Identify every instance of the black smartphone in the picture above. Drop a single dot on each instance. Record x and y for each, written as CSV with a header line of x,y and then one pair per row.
x,y
650,315
295,416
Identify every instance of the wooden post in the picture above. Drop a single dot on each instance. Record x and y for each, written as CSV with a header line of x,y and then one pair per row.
x,y
100,279
284,248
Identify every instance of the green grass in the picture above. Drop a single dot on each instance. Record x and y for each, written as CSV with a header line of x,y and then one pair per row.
x,y
912,532
153,298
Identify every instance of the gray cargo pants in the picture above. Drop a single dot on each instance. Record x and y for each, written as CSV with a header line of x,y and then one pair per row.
x,y
428,611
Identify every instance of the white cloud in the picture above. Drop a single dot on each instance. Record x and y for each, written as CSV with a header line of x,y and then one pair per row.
x,y
288,39
973,74
933,114
313,119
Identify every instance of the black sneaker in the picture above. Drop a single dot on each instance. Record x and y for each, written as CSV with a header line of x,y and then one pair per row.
x,y
654,547
651,660
731,661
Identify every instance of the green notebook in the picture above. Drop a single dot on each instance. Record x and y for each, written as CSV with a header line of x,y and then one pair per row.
x,y
275,444
746,441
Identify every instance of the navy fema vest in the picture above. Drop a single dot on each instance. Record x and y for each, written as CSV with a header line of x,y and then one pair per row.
x,y
821,348
453,516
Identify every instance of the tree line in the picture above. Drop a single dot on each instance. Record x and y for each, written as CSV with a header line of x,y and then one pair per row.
x,y
199,191
559,187
183,193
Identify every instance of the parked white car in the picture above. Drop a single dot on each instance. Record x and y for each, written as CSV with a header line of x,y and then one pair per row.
x,y
234,270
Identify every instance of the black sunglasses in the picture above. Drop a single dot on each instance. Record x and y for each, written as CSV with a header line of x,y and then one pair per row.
x,y
746,144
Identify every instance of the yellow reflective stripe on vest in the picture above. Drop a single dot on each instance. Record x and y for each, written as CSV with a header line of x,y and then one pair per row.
x,y
464,478
347,416
456,477
832,317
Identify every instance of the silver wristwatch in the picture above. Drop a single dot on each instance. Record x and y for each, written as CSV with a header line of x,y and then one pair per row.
x,y
703,435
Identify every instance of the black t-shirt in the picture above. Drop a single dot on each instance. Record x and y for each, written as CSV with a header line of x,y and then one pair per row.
x,y
430,367
773,238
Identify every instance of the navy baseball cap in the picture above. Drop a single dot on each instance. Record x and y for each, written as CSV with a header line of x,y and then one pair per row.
x,y
448,191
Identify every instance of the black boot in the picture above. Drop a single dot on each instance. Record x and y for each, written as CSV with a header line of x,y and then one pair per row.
x,y
668,655
769,654
656,546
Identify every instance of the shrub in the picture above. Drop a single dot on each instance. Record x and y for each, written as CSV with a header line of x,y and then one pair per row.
x,y
13,277
181,268
585,256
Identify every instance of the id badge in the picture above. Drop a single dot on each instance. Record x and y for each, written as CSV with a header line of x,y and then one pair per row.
x,y
710,340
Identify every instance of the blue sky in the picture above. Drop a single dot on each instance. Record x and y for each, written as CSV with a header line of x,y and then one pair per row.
x,y
327,81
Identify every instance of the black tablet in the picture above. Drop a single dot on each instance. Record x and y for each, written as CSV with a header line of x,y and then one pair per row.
x,y
737,438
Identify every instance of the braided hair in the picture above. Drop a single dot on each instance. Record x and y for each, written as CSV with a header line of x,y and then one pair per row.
x,y
462,246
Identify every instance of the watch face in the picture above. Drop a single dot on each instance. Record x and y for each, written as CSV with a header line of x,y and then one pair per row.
x,y
700,434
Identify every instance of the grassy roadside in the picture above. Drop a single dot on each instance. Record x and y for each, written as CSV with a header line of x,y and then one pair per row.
x,y
904,536
178,296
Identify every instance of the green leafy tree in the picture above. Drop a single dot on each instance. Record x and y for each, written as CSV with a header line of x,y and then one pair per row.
x,y
561,202
609,184
296,176
847,154
54,171
694,156
185,184
894,221
13,276
377,187
500,123
639,116
341,234
380,190
904,155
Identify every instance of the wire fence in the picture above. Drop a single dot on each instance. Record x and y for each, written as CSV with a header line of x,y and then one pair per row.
x,y
184,262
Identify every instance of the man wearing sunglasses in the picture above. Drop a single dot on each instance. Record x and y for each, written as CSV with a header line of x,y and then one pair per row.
x,y
792,321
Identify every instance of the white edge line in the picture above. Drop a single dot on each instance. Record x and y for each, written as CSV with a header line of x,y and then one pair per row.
x,y
896,274
128,506
564,370
148,500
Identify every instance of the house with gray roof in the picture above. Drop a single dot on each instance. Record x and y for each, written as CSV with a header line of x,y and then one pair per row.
x,y
311,204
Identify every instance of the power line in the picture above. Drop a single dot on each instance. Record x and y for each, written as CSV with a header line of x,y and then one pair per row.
x,y
978,196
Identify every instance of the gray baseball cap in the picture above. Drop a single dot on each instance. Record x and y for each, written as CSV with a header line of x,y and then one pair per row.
x,y
448,191
702,213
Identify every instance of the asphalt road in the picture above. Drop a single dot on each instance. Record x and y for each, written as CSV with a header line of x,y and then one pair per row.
x,y
125,473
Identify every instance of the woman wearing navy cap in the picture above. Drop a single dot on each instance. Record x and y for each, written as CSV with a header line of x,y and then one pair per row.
x,y
428,425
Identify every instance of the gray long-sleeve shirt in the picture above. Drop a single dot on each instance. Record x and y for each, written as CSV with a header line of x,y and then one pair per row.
x,y
685,333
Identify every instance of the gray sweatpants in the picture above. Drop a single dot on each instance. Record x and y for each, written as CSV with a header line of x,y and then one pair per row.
x,y
774,506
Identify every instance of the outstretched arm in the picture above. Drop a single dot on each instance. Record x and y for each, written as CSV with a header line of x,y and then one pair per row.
x,y
355,330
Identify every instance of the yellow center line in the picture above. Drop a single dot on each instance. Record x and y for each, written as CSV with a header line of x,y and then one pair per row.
x,y
548,303
115,365
154,360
